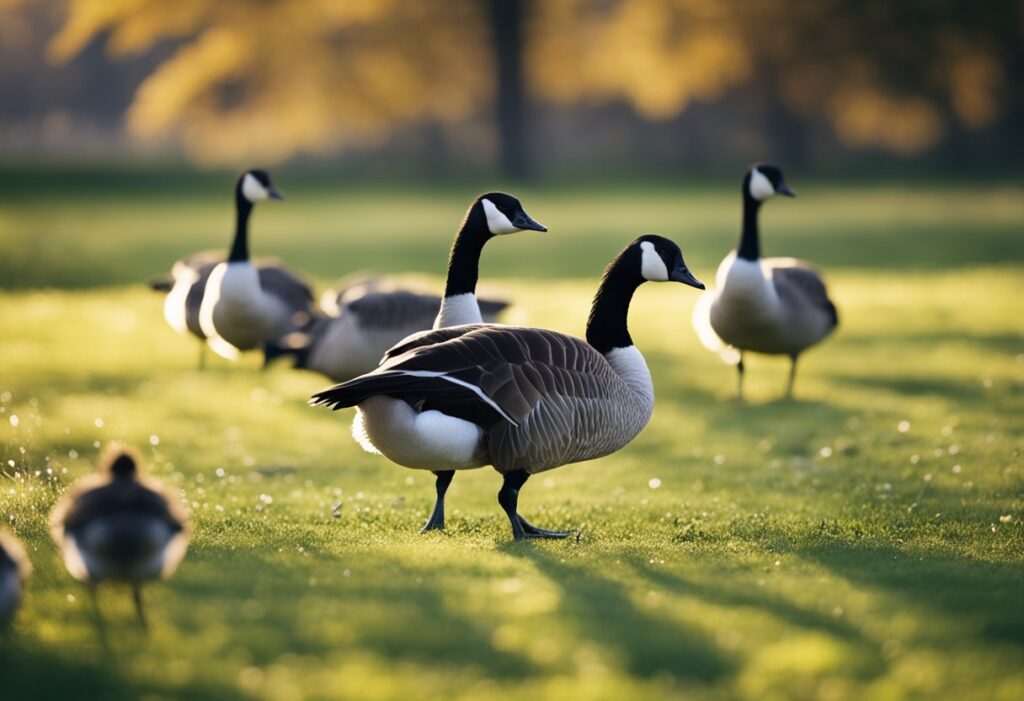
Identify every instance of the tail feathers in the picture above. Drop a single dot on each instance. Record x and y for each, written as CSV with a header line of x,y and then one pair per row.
x,y
161,283
491,308
295,345
351,393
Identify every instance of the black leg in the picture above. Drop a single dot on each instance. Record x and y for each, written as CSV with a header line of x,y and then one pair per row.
x,y
436,522
739,369
792,376
137,597
508,497
101,626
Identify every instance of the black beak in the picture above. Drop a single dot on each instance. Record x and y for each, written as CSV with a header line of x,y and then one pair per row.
x,y
522,221
274,193
783,189
682,274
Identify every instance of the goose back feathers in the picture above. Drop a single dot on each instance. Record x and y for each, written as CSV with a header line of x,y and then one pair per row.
x,y
118,525
540,399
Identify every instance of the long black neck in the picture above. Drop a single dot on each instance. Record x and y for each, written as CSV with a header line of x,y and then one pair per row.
x,y
240,245
464,260
606,327
750,239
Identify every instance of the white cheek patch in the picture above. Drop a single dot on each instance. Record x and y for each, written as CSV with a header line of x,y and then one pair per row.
x,y
497,222
252,189
652,267
760,186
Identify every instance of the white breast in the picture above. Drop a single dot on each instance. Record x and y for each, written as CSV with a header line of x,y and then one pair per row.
x,y
175,311
237,311
745,289
630,365
457,310
428,440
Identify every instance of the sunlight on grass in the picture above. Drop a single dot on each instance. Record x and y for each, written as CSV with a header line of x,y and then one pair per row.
x,y
861,542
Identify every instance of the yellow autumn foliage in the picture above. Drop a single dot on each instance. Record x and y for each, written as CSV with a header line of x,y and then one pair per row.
x,y
265,79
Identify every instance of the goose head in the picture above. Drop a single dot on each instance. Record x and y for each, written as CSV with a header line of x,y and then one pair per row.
x,y
499,214
658,259
120,462
255,185
765,180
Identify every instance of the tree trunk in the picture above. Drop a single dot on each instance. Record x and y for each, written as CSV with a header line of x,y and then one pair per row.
x,y
506,20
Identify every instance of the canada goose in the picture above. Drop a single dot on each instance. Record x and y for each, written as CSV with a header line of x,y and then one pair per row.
x,y
491,214
777,306
369,320
242,306
14,570
370,316
116,525
186,282
521,399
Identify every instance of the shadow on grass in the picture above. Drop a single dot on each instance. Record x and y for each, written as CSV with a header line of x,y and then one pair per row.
x,y
984,597
393,610
601,609
32,673
779,608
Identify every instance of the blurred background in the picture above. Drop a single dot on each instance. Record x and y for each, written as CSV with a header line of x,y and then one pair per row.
x,y
517,87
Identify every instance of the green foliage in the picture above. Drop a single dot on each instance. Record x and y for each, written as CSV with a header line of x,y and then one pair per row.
x,y
817,548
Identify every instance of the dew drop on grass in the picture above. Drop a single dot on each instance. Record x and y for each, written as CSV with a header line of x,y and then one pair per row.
x,y
98,422
954,449
73,454
957,469
71,598
903,426
14,420
154,439
826,452
266,499
654,483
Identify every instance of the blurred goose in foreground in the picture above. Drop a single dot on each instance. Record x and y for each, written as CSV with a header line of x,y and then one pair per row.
x,y
776,306
367,318
524,400
117,525
243,306
491,214
14,570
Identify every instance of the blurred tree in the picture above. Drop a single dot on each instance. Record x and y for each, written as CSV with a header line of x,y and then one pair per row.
x,y
262,80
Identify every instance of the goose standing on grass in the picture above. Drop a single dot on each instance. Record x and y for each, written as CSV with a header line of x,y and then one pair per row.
x,y
521,399
117,525
367,320
14,570
776,306
244,306
491,214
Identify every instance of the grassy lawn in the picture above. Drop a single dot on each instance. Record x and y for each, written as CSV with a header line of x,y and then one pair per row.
x,y
864,541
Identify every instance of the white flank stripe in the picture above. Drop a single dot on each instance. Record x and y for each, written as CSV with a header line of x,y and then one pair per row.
x,y
456,381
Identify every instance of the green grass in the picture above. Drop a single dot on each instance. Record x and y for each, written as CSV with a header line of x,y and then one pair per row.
x,y
806,549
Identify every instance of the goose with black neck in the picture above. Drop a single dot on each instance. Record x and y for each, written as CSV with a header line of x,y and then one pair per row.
x,y
523,400
368,323
243,306
774,306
